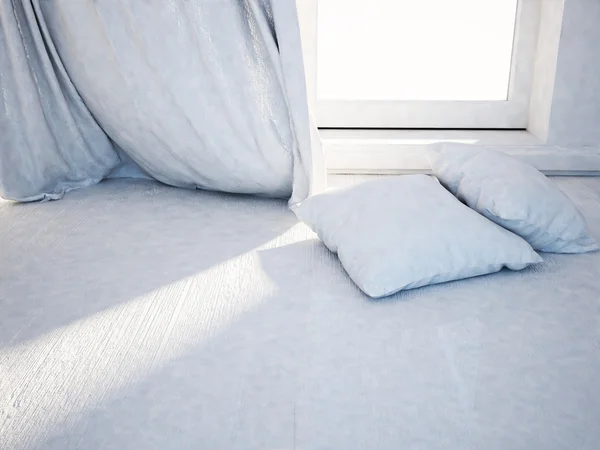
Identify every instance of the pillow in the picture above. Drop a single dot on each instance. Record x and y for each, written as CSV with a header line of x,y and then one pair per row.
x,y
514,195
405,232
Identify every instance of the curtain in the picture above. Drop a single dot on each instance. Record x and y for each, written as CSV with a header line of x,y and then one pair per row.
x,y
203,94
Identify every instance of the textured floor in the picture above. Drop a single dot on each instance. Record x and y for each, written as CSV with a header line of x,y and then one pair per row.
x,y
137,316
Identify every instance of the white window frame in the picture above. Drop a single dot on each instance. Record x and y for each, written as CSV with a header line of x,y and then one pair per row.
x,y
512,113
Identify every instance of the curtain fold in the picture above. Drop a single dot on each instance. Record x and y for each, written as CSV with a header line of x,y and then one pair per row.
x,y
310,176
49,141
203,94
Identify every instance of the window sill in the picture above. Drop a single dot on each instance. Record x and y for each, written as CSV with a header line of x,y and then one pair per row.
x,y
404,151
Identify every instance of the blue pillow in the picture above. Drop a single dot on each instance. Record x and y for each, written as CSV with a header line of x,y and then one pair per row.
x,y
514,195
398,233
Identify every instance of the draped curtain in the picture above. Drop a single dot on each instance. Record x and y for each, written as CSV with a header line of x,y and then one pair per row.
x,y
203,94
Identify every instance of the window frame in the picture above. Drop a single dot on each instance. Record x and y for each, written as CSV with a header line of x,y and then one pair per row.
x,y
512,113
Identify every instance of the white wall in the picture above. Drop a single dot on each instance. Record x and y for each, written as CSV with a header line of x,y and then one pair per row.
x,y
551,17
575,111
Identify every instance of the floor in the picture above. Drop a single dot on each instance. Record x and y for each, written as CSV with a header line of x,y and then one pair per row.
x,y
139,316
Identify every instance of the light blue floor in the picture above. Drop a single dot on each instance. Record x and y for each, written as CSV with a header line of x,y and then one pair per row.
x,y
138,316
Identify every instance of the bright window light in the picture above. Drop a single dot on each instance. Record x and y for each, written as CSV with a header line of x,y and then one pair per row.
x,y
415,49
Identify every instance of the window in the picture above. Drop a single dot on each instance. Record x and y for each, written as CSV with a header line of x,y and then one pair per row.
x,y
419,63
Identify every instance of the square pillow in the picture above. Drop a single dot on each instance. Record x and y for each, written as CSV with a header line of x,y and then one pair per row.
x,y
514,195
405,232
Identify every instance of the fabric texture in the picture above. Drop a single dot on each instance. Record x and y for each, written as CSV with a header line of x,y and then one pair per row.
x,y
49,141
406,232
514,195
200,320
204,94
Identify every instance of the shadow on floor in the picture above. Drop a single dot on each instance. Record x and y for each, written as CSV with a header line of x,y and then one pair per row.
x,y
104,245
311,364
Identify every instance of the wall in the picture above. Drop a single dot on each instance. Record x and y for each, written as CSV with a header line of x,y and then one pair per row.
x,y
575,111
551,17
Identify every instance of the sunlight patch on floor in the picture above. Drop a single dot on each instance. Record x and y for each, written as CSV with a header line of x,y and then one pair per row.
x,y
73,369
